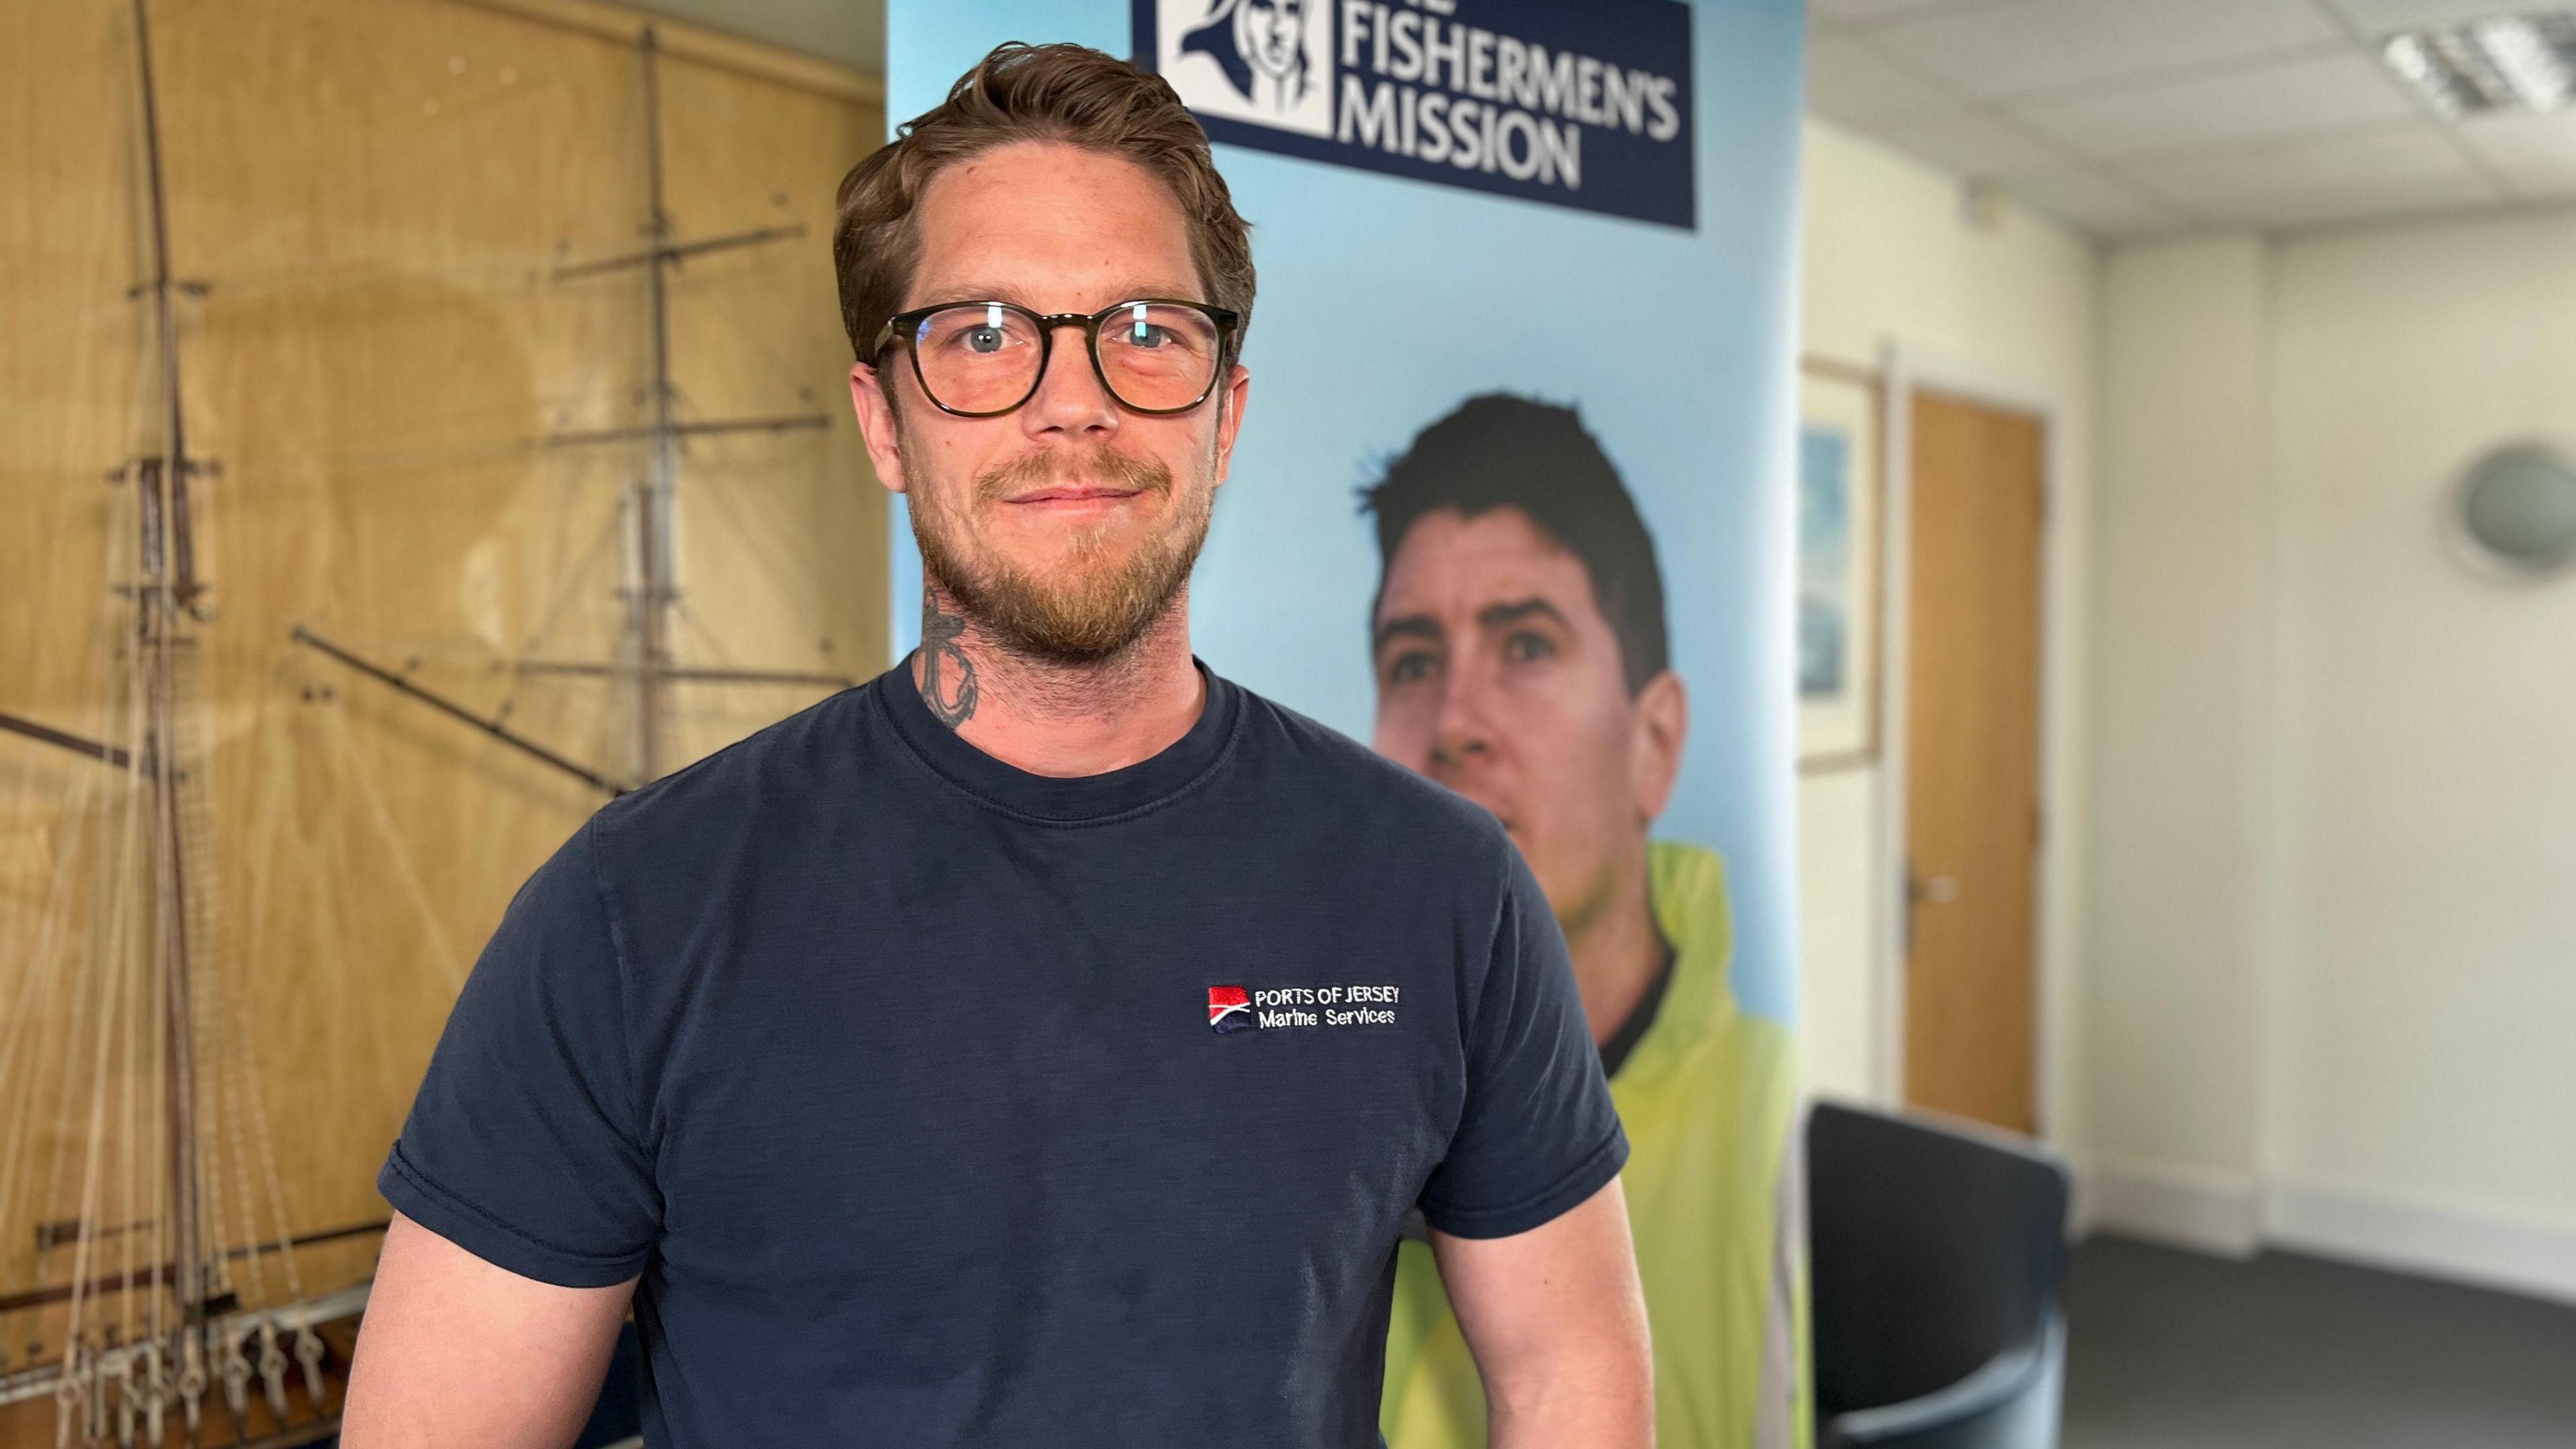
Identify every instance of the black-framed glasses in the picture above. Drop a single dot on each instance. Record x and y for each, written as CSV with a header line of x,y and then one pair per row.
x,y
984,359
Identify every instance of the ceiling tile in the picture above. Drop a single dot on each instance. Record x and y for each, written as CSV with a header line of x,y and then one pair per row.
x,y
2416,151
1862,12
1850,81
2380,17
2064,45
2346,178
2536,155
1970,143
2383,202
2093,203
2264,103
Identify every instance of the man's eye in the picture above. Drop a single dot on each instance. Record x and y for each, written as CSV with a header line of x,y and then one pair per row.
x,y
1410,668
984,339
1525,646
1146,334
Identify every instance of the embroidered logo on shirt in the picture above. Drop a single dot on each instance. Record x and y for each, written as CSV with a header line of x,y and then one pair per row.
x,y
1229,1009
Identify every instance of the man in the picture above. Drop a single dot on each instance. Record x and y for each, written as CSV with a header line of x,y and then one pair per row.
x,y
1521,659
1261,47
865,1058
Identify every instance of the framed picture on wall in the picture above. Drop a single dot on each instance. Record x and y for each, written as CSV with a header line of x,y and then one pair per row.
x,y
1839,496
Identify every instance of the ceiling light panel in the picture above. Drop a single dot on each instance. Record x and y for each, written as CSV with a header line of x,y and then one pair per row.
x,y
2494,63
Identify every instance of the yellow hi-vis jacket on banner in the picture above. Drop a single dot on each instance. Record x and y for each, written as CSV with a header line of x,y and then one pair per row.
x,y
1709,1100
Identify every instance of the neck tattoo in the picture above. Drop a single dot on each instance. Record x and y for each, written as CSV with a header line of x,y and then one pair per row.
x,y
943,647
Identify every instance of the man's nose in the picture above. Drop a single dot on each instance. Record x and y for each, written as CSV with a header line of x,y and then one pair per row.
x,y
1070,399
1461,734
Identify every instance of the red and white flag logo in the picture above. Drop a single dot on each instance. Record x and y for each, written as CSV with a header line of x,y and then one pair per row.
x,y
1229,1009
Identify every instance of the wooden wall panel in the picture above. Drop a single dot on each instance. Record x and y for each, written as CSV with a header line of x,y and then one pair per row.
x,y
70,373
376,196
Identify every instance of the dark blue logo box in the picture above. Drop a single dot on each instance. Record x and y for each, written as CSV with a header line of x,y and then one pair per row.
x,y
1578,103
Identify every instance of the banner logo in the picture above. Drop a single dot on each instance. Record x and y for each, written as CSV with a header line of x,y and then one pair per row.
x,y
1269,62
1229,1009
1580,105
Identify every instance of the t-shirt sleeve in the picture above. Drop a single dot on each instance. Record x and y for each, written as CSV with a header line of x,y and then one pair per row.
x,y
524,1146
1538,1133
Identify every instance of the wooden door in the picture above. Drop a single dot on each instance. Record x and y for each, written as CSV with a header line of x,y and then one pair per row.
x,y
1972,777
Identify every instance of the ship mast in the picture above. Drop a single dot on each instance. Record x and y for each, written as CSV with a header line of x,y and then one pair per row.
x,y
164,600
649,592
105,1388
651,577
650,589
183,1329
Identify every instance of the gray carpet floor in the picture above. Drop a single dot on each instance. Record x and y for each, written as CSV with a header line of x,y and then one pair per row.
x,y
2169,1349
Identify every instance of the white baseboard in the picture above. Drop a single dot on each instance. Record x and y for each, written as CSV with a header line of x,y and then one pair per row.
x,y
2436,1241
2234,1216
2177,1203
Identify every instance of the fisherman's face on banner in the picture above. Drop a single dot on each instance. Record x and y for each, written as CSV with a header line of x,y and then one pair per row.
x,y
1499,676
1068,524
1271,35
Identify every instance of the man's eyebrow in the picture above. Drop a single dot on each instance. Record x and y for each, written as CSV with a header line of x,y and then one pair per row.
x,y
1411,626
1174,291
1496,616
1006,292
971,292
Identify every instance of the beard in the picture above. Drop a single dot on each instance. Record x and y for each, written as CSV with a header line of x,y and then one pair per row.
x,y
1088,605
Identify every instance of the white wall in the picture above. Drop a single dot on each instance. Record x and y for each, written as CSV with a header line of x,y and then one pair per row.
x,y
2323,964
1890,255
2173,990
2337,770
2428,739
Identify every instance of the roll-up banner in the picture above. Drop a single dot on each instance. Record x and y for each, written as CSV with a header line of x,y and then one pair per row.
x,y
1513,504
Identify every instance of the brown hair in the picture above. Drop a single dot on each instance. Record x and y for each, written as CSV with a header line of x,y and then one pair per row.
x,y
1022,92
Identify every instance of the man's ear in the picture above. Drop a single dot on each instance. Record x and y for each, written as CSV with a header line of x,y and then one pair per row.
x,y
875,412
1663,724
1229,417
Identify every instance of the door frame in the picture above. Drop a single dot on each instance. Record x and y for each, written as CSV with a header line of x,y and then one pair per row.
x,y
2056,907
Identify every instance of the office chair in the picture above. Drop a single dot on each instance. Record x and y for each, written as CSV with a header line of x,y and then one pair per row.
x,y
1936,1254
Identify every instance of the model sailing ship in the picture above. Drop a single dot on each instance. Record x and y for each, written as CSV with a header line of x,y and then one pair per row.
x,y
166,1293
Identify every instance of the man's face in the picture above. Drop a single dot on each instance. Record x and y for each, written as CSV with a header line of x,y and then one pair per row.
x,y
1498,676
1069,525
1271,33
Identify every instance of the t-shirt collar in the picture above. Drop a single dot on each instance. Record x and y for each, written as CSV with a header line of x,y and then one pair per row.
x,y
1081,799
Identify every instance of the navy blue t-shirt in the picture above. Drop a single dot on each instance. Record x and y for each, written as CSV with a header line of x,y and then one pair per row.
x,y
935,1102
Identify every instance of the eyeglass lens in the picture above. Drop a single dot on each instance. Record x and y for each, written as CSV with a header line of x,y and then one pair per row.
x,y
983,357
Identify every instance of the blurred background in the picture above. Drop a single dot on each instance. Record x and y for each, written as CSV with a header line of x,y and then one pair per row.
x,y
2186,686
2286,289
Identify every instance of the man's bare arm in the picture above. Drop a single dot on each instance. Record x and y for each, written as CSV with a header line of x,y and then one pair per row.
x,y
456,1351
1557,1322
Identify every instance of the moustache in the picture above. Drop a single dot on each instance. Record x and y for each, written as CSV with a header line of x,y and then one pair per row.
x,y
1099,467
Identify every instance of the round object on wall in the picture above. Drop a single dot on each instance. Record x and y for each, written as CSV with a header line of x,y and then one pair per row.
x,y
2515,510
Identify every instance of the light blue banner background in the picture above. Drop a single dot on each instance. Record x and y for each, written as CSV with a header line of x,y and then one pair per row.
x,y
1677,346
